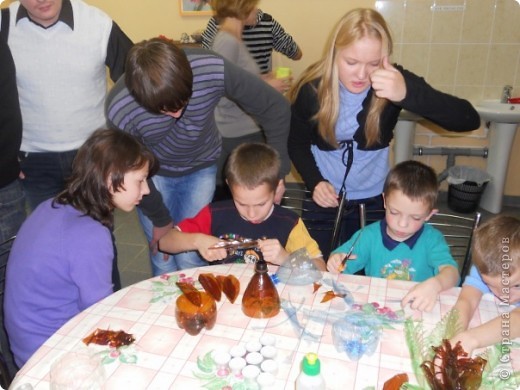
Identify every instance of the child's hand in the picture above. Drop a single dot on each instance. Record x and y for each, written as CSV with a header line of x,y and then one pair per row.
x,y
334,263
423,295
205,242
468,342
272,251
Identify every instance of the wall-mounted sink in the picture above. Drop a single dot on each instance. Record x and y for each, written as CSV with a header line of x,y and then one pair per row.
x,y
494,111
405,115
404,135
503,120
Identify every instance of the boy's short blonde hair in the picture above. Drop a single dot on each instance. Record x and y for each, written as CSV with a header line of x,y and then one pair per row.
x,y
253,164
415,180
496,246
239,9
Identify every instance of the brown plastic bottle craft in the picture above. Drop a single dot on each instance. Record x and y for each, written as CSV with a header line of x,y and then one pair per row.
x,y
261,299
194,317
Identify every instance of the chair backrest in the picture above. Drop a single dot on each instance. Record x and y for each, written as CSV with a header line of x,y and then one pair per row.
x,y
457,230
7,367
315,218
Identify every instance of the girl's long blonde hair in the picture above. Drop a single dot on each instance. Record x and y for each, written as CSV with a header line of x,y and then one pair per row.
x,y
356,24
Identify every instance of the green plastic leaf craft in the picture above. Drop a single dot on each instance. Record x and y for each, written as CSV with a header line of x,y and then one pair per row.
x,y
419,341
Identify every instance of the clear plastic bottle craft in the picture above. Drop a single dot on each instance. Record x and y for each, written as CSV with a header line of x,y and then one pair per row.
x,y
357,334
298,269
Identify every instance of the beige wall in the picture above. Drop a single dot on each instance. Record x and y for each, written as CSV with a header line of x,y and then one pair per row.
x,y
470,48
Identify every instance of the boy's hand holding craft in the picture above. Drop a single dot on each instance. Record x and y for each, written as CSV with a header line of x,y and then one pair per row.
x,y
272,250
335,263
206,246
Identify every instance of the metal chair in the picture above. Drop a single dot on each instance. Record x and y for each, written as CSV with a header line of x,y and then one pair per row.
x,y
327,220
7,366
457,230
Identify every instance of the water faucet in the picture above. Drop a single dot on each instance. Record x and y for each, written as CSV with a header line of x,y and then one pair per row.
x,y
506,94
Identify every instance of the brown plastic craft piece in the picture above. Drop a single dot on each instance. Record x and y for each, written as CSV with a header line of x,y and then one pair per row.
x,y
212,286
331,294
451,369
395,382
191,293
230,286
112,338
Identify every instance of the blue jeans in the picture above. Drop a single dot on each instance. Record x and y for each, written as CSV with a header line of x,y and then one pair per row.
x,y
12,215
45,174
184,197
12,209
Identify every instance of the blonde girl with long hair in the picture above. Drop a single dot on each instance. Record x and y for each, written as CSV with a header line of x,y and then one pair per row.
x,y
344,110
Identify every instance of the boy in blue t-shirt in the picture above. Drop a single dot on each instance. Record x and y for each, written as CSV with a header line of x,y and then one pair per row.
x,y
496,270
402,246
253,177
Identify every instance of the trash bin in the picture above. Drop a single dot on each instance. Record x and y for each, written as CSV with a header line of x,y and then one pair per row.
x,y
466,186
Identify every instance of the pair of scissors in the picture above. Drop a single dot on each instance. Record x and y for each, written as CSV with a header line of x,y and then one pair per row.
x,y
349,253
235,244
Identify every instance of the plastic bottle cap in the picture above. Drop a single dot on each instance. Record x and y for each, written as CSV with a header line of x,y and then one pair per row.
x,y
268,352
250,372
237,364
254,358
311,364
237,351
261,266
267,339
253,346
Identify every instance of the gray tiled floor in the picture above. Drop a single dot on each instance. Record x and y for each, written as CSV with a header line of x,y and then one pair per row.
x,y
133,261
132,249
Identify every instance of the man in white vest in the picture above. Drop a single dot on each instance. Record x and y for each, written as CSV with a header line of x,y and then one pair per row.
x,y
61,49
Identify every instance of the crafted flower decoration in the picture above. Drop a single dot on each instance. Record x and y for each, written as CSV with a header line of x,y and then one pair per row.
x,y
358,332
382,314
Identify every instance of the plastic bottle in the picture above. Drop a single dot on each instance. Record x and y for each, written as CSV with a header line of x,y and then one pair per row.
x,y
310,377
261,299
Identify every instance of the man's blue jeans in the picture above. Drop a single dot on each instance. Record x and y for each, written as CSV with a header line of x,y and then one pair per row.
x,y
12,209
12,215
45,174
184,196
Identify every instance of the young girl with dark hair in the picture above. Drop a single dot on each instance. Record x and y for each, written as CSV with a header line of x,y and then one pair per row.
x,y
61,261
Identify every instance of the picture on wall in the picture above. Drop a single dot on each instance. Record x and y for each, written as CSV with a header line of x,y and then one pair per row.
x,y
195,7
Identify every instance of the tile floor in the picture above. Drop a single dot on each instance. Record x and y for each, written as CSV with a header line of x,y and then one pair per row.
x,y
133,261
